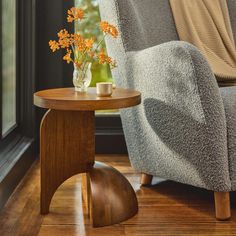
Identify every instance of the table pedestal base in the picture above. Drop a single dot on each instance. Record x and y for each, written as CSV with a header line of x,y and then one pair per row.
x,y
67,148
108,195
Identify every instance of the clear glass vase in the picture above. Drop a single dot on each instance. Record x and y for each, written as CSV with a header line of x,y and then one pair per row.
x,y
82,79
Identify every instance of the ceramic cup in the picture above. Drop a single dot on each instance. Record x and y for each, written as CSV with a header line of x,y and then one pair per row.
x,y
104,89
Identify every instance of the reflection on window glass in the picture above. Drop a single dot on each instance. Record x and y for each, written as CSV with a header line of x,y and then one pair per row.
x,y
8,65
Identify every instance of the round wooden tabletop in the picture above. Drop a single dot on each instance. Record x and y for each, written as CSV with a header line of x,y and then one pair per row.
x,y
69,99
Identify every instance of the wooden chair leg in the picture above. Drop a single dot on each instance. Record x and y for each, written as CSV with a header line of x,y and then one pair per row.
x,y
222,205
146,179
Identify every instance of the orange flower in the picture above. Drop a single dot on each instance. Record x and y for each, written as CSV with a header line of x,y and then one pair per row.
x,y
76,37
67,57
78,64
54,45
75,14
79,42
82,48
64,39
108,29
103,58
89,43
63,34
70,19
91,54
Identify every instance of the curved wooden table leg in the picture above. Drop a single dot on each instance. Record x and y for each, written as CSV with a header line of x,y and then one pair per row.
x,y
66,148
86,193
112,197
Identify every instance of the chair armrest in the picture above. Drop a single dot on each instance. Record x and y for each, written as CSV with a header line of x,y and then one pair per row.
x,y
182,114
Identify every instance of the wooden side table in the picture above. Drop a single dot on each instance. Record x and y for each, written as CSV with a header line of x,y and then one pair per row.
x,y
67,148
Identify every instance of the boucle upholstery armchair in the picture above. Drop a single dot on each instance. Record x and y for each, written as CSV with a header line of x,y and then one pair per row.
x,y
185,128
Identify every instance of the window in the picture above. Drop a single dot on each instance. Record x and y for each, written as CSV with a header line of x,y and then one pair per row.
x,y
87,27
17,124
109,132
8,65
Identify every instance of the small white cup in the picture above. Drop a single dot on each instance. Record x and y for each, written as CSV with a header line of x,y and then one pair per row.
x,y
104,89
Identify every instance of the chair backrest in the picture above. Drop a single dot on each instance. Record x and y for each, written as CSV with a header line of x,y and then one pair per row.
x,y
146,23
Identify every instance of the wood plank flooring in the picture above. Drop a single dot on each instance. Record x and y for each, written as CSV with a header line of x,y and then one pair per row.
x,y
166,208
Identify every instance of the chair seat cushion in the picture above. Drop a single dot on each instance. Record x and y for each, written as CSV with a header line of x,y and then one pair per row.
x,y
229,100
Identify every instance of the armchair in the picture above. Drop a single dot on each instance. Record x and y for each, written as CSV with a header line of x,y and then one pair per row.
x,y
183,131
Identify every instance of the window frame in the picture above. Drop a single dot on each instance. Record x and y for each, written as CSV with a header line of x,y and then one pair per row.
x,y
17,148
25,74
9,135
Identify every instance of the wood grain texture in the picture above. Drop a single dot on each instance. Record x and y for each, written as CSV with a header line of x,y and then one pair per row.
x,y
146,179
165,208
67,146
113,199
222,205
68,99
86,193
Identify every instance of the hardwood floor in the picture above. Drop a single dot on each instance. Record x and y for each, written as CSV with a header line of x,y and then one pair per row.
x,y
167,208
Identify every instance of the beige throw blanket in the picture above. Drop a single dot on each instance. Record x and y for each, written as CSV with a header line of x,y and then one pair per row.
x,y
206,24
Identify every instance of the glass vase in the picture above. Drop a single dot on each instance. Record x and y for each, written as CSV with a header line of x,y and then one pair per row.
x,y
82,79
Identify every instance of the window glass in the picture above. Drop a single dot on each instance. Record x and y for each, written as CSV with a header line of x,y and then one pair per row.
x,y
8,59
88,27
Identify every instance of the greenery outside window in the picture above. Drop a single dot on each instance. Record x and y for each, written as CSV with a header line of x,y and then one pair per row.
x,y
109,132
87,28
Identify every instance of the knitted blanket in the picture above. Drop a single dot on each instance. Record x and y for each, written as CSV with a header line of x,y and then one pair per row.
x,y
206,24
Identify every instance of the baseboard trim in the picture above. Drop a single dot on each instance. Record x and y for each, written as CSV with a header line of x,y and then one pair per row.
x,y
109,133
110,143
